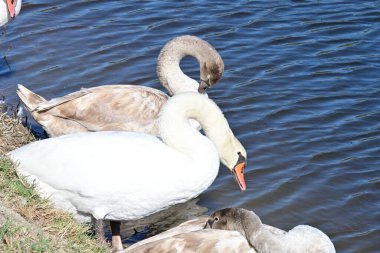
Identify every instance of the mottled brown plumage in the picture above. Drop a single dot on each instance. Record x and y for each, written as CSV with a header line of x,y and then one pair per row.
x,y
103,108
125,107
191,237
234,230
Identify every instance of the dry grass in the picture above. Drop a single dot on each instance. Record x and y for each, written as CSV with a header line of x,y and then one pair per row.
x,y
59,232
12,133
30,223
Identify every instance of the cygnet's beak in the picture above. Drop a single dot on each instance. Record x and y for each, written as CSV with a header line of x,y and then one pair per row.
x,y
209,223
238,172
11,8
203,86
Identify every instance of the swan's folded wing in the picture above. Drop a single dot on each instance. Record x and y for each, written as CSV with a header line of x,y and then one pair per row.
x,y
205,240
186,227
111,107
274,230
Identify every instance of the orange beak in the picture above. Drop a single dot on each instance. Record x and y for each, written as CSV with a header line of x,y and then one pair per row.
x,y
11,8
238,172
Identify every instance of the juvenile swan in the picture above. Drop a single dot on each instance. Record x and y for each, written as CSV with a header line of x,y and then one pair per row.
x,y
190,237
126,107
301,239
234,230
9,9
147,174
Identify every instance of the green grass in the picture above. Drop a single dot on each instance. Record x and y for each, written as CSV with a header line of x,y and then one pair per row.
x,y
57,230
10,181
22,238
29,223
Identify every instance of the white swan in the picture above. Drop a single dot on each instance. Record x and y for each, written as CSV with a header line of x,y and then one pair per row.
x,y
9,9
126,107
235,230
147,175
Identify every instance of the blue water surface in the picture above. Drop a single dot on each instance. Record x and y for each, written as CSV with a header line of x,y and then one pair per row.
x,y
301,90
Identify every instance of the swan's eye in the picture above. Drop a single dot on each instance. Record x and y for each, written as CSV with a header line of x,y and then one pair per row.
x,y
239,153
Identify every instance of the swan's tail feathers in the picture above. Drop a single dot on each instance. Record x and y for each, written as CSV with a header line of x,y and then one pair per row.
x,y
30,99
47,105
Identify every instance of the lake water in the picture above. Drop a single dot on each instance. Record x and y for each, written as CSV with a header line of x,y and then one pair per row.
x,y
301,90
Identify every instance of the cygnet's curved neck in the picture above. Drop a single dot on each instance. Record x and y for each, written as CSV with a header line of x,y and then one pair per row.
x,y
259,237
266,241
175,129
168,68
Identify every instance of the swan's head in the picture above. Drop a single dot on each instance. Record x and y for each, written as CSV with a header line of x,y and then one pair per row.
x,y
244,221
14,7
234,156
210,73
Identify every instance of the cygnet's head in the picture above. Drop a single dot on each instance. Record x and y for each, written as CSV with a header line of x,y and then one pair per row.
x,y
238,219
210,73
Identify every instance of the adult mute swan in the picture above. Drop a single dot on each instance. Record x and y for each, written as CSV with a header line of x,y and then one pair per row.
x,y
126,107
234,230
9,9
147,174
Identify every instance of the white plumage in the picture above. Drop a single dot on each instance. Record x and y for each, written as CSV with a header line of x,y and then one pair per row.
x,y
125,175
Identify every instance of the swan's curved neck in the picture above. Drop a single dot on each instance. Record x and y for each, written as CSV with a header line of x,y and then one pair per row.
x,y
177,133
258,236
168,68
265,241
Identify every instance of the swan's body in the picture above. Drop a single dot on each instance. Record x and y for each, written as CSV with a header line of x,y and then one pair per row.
x,y
234,230
126,107
115,175
301,239
9,10
147,175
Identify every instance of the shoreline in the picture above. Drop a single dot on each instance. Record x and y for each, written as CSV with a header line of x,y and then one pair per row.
x,y
29,223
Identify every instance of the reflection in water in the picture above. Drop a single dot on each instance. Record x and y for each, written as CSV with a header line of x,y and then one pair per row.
x,y
160,221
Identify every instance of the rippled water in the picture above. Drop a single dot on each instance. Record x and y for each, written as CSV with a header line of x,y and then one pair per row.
x,y
301,90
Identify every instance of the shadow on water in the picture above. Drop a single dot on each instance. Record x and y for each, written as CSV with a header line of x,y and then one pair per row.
x,y
134,231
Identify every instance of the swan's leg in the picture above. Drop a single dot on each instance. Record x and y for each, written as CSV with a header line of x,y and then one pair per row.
x,y
116,238
99,230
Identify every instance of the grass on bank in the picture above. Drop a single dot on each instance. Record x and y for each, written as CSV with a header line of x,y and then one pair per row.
x,y
29,223
12,133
